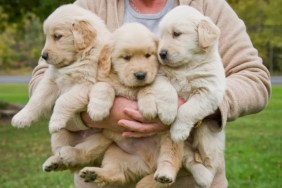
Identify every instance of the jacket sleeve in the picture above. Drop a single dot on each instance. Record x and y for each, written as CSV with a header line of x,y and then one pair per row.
x,y
37,75
248,80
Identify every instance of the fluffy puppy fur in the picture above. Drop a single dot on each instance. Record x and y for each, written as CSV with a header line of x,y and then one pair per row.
x,y
129,67
74,39
188,52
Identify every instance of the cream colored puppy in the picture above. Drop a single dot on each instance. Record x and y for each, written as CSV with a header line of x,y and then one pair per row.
x,y
74,39
129,65
188,52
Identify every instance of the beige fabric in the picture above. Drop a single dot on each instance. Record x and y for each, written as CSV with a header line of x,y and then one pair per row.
x,y
248,82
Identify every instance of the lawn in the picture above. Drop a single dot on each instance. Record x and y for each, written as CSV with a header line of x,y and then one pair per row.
x,y
253,149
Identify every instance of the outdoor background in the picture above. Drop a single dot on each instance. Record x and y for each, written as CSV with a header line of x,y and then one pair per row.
x,y
253,143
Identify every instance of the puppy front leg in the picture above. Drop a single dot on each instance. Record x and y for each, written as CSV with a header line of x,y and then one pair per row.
x,y
166,98
198,106
41,102
147,103
67,105
101,99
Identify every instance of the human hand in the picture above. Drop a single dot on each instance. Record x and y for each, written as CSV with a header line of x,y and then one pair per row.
x,y
138,127
126,118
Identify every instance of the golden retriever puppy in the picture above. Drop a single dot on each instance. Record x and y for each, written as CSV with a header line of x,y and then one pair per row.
x,y
74,39
188,52
129,65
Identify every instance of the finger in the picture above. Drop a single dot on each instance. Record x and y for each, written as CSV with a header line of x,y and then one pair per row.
x,y
137,134
134,114
139,127
133,126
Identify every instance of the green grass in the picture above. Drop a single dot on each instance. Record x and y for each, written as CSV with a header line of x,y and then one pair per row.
x,y
253,149
23,151
14,93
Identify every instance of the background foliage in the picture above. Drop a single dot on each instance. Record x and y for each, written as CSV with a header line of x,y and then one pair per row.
x,y
21,37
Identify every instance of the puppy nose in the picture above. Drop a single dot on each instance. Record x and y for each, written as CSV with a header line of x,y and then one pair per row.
x,y
140,75
163,54
45,56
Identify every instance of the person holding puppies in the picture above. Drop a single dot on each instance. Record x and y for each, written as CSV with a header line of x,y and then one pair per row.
x,y
247,79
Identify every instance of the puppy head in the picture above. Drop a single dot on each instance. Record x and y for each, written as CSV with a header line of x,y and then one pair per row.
x,y
185,35
68,32
132,55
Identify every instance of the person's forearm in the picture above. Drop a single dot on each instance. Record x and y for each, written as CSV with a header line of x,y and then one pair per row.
x,y
37,75
248,81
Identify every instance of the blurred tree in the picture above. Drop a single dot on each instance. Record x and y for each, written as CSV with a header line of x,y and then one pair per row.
x,y
264,24
17,9
21,36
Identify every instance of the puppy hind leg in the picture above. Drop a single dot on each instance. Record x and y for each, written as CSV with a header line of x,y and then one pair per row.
x,y
169,161
59,140
193,163
210,145
111,171
118,168
53,163
85,153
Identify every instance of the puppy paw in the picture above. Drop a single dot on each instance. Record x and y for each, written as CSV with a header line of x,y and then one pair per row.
x,y
53,163
147,108
88,174
149,114
180,131
21,120
163,179
98,114
55,126
167,116
203,177
165,174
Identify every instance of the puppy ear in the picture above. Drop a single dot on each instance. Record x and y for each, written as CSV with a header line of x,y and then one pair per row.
x,y
84,34
104,61
208,33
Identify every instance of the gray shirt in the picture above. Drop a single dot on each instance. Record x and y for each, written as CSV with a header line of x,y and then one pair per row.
x,y
151,21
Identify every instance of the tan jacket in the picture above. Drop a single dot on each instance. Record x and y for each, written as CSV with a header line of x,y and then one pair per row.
x,y
248,83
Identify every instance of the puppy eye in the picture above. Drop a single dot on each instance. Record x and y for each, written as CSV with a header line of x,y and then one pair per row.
x,y
176,34
147,55
127,57
57,36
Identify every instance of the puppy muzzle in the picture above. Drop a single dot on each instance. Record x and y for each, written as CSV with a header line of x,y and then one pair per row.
x,y
140,75
163,54
45,56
